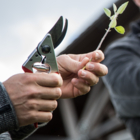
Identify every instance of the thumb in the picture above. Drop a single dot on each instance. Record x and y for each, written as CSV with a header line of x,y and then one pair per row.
x,y
75,65
84,62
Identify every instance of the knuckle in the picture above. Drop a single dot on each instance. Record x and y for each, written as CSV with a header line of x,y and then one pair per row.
x,y
31,105
100,52
99,67
32,92
49,116
87,90
33,117
58,93
57,80
81,93
95,81
105,70
29,78
84,90
102,69
102,55
54,105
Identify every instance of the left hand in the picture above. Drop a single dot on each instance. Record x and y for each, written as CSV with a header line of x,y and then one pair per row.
x,y
77,81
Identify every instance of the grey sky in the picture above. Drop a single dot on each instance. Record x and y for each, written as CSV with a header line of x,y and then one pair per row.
x,y
24,23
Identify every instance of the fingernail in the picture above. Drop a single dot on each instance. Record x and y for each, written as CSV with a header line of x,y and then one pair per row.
x,y
97,56
83,73
90,66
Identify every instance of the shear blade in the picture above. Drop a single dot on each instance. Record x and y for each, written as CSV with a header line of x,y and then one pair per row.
x,y
63,33
57,32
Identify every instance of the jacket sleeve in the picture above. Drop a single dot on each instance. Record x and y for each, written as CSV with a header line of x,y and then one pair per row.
x,y
123,80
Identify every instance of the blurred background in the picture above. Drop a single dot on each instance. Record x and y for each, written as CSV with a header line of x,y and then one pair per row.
x,y
23,24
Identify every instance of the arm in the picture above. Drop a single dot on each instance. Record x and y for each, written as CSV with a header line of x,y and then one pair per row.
x,y
32,97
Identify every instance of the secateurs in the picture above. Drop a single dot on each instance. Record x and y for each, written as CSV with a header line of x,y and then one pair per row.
x,y
44,52
43,57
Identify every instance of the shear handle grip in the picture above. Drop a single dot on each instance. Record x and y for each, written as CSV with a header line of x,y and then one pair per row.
x,y
26,70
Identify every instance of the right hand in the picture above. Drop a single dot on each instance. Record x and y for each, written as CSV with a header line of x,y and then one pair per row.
x,y
34,96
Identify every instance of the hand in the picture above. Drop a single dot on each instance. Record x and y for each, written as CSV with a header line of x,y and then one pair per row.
x,y
34,96
77,81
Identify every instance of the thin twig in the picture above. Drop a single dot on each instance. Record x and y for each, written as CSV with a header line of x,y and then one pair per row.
x,y
112,24
100,44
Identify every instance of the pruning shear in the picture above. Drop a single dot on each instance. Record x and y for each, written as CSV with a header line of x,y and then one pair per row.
x,y
43,57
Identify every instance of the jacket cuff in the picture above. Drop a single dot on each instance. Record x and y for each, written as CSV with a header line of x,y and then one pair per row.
x,y
8,119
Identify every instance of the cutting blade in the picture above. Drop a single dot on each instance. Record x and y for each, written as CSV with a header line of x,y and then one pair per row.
x,y
56,30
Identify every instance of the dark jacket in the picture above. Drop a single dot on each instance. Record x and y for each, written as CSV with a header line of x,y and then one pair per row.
x,y
123,79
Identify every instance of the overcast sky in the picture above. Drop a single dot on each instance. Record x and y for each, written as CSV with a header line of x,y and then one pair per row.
x,y
24,23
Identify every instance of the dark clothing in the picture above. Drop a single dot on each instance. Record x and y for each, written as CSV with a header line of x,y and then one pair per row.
x,y
123,79
9,127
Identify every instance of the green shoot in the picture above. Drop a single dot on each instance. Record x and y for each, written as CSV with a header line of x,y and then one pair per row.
x,y
113,22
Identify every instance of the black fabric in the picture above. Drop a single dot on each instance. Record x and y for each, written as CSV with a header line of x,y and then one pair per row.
x,y
5,108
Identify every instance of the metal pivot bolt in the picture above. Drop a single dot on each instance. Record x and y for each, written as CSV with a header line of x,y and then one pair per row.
x,y
45,49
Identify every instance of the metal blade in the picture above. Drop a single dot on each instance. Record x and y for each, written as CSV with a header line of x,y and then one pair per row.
x,y
56,30
62,34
